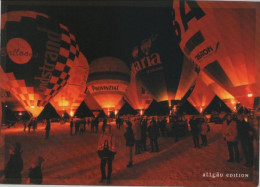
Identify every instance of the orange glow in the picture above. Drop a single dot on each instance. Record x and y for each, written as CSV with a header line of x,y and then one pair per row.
x,y
71,113
136,95
229,52
141,112
249,95
201,96
116,112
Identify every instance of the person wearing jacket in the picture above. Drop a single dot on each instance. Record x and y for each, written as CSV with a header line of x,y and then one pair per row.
x,y
14,166
195,131
229,131
246,134
35,172
153,131
130,141
204,132
138,136
107,145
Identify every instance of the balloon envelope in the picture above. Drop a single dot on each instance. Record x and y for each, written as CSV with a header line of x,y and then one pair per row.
x,y
223,38
35,53
136,95
107,82
162,68
73,93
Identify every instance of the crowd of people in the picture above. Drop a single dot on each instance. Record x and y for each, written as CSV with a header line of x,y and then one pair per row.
x,y
236,129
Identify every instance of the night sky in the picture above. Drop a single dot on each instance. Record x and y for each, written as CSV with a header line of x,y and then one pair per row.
x,y
102,28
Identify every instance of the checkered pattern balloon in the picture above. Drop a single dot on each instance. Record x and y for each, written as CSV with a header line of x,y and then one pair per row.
x,y
35,55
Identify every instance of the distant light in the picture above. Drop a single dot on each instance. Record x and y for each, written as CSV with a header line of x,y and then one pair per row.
x,y
6,106
115,112
233,102
32,106
71,113
141,112
20,113
250,95
201,109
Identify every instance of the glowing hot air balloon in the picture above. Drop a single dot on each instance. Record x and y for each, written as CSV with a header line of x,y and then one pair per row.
x,y
222,38
201,95
107,81
163,69
73,93
35,52
136,95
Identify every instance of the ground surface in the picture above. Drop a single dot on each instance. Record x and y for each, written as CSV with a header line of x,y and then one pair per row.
x,y
74,159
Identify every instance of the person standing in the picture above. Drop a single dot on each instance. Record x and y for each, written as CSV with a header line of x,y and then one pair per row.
x,y
195,131
47,128
29,125
34,124
104,124
204,132
130,141
153,131
107,151
24,124
246,136
96,124
92,125
14,166
144,134
71,126
229,131
137,136
35,172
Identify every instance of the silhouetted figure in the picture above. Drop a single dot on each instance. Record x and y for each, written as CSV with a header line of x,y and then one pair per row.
x,y
35,172
77,123
130,141
153,131
84,125
195,131
34,124
204,131
29,125
96,124
138,136
47,129
106,151
229,131
104,124
71,126
143,134
25,125
118,122
14,166
81,126
92,125
246,136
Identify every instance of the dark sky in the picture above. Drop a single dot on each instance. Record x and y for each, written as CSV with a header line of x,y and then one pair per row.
x,y
108,28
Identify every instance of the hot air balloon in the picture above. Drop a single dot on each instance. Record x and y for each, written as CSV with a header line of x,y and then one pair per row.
x,y
73,93
223,39
107,82
35,52
201,95
162,68
136,95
